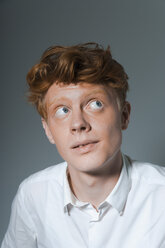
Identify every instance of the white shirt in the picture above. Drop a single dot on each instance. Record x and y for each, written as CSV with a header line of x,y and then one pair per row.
x,y
45,213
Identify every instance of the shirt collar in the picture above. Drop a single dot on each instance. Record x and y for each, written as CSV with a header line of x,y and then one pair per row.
x,y
118,196
69,197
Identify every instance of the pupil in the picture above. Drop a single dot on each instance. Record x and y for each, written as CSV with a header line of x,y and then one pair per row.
x,y
65,110
98,103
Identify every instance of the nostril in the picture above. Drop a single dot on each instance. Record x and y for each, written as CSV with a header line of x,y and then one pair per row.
x,y
83,128
80,125
79,128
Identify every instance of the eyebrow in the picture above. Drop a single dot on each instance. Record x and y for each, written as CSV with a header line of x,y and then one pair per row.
x,y
63,98
95,92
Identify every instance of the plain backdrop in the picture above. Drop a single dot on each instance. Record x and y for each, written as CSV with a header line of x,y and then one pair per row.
x,y
135,30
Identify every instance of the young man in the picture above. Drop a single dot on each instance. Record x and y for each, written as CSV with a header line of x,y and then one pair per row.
x,y
99,197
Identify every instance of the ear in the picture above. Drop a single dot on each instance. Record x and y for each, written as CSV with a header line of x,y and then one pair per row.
x,y
125,115
47,131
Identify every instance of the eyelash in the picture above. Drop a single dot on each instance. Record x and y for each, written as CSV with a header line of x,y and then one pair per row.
x,y
87,105
60,108
96,101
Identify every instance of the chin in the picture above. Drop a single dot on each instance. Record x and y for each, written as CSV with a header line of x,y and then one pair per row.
x,y
92,161
89,164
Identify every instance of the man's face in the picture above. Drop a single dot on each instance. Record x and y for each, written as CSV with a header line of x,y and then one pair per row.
x,y
85,122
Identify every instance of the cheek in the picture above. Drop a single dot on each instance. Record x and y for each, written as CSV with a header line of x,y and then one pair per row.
x,y
60,136
109,123
114,135
110,131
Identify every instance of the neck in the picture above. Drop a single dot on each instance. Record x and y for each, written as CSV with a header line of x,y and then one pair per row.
x,y
95,187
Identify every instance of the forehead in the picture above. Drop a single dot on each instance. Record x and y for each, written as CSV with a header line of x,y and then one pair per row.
x,y
77,91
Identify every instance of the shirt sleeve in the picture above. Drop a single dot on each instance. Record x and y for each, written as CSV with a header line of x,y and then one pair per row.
x,y
21,230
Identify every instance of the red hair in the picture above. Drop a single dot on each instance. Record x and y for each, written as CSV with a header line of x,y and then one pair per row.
x,y
87,62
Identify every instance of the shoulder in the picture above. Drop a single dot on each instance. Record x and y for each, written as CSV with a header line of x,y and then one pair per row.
x,y
151,174
147,186
41,181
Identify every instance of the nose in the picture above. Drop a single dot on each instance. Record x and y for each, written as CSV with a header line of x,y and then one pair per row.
x,y
79,123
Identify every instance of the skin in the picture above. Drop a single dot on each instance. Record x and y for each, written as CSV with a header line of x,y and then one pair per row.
x,y
90,115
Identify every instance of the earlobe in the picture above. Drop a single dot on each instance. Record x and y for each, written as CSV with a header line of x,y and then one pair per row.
x,y
47,131
125,115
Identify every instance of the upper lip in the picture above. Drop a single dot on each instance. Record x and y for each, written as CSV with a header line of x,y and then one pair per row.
x,y
85,142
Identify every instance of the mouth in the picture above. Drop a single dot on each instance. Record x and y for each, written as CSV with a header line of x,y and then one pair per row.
x,y
83,144
84,147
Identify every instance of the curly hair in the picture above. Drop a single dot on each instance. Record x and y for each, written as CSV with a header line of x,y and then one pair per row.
x,y
88,62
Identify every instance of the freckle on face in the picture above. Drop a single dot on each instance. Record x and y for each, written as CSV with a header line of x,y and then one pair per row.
x,y
104,123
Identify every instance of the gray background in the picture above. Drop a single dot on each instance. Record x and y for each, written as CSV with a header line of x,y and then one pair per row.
x,y
135,31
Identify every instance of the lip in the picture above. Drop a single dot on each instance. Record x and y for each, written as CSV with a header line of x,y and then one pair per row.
x,y
84,146
83,143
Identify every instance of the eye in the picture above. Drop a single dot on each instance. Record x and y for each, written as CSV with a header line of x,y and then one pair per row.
x,y
96,105
62,111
